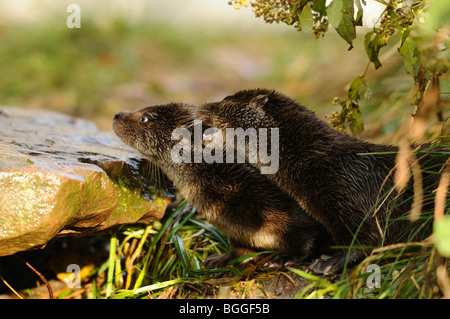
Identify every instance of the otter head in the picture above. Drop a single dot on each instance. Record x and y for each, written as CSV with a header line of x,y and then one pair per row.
x,y
149,129
245,109
244,121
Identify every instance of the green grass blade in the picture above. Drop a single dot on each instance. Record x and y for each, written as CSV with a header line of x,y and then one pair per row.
x,y
181,250
211,229
321,282
122,293
111,265
159,235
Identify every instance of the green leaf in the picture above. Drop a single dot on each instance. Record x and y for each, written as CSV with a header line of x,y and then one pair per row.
x,y
359,15
218,236
334,13
412,56
353,92
341,17
405,34
178,224
368,94
319,6
441,235
373,46
356,123
181,250
346,28
306,19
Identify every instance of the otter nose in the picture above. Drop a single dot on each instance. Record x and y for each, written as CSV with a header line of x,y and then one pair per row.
x,y
118,115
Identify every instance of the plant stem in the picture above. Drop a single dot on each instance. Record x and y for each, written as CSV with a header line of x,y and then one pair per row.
x,y
111,264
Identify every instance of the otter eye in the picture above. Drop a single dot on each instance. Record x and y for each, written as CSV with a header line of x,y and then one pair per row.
x,y
144,119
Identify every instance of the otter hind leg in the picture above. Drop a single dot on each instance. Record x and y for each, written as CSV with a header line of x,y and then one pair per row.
x,y
329,265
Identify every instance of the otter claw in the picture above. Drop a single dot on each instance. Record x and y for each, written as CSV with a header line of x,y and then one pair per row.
x,y
327,265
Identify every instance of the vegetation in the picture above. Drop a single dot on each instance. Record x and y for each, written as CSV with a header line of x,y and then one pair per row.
x,y
423,39
100,69
420,29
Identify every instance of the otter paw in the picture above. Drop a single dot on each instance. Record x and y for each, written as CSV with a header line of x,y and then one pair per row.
x,y
328,265
218,261
281,261
276,262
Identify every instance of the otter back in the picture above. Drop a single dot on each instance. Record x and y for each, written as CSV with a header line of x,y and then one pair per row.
x,y
335,178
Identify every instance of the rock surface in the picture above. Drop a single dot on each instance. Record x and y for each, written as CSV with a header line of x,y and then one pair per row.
x,y
60,175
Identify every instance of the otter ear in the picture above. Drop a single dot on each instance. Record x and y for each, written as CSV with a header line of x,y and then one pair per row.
x,y
259,101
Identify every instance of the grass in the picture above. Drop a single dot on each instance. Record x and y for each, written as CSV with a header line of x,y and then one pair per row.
x,y
164,255
163,260
97,71
408,270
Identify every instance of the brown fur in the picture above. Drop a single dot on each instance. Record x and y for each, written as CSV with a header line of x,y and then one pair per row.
x,y
247,207
324,170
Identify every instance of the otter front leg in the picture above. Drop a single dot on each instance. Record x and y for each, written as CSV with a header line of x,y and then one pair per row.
x,y
284,260
343,234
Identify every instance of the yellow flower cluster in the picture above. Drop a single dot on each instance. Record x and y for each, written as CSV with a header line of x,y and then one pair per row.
x,y
238,3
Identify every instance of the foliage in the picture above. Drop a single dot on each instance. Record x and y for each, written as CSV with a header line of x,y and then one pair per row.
x,y
423,41
421,34
405,271
162,260
84,72
442,234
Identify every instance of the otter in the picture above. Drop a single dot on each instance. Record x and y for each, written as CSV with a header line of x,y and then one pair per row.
x,y
334,177
254,213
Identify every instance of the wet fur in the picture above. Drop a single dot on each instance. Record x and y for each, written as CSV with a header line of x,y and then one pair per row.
x,y
247,207
324,170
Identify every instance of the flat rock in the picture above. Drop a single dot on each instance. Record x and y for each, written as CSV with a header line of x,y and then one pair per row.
x,y
60,175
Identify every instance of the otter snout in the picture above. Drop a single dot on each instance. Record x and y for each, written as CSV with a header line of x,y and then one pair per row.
x,y
121,125
118,116
122,115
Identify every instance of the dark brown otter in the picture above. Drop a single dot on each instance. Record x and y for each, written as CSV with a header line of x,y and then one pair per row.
x,y
246,206
336,178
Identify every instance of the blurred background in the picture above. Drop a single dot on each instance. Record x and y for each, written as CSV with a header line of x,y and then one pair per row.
x,y
130,54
